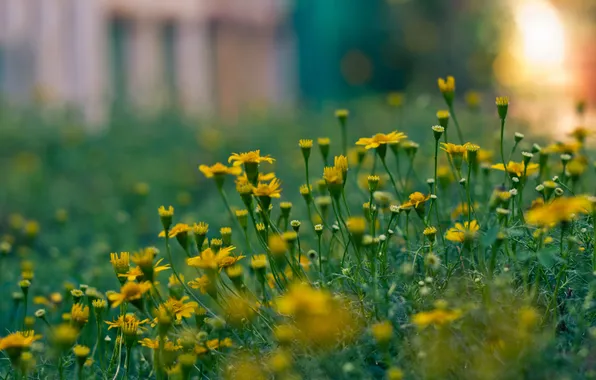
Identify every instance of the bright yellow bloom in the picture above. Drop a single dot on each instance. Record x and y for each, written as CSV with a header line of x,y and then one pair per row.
x,y
333,175
382,332
415,200
165,212
81,351
124,319
305,143
462,232
559,210
517,168
18,340
79,313
179,308
381,138
502,100
341,162
447,84
253,157
130,292
454,149
437,317
121,263
242,179
209,260
219,169
271,189
179,228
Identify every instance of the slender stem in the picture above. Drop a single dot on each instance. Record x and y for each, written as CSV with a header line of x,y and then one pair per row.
x,y
459,134
502,154
397,193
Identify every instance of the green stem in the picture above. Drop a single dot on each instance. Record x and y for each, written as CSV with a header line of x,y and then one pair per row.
x,y
397,193
502,154
459,134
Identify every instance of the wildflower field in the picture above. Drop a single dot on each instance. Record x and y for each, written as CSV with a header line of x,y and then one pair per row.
x,y
395,241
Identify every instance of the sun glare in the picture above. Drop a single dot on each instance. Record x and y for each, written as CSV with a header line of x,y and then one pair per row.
x,y
542,34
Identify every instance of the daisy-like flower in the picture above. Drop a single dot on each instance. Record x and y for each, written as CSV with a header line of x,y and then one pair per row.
x,y
416,200
242,179
563,209
130,292
518,168
381,139
180,308
219,169
210,260
454,149
79,314
179,228
463,232
271,189
123,319
253,157
14,344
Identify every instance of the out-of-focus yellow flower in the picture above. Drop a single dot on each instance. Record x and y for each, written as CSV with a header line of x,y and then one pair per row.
x,y
382,332
446,85
454,149
518,168
563,209
202,283
381,139
580,134
464,209
14,344
219,169
79,314
154,344
437,317
463,232
562,148
395,99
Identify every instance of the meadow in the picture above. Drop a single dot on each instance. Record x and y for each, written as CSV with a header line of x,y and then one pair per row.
x,y
413,237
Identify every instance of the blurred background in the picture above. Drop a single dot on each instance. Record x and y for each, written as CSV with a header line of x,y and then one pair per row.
x,y
222,57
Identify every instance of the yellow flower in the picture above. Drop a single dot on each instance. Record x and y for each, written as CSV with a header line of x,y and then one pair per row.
x,y
437,317
165,212
271,189
305,143
580,134
154,344
18,341
333,175
518,168
446,85
380,139
485,156
179,228
209,260
219,169
562,209
258,262
454,149
81,351
462,232
382,332
200,228
124,319
416,199
202,283
130,292
473,99
395,99
563,148
120,263
464,209
253,157
79,314
179,308
341,163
